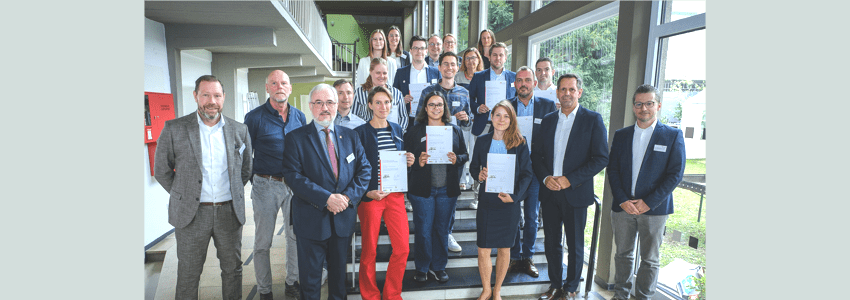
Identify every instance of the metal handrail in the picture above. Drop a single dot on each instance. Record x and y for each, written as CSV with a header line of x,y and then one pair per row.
x,y
594,238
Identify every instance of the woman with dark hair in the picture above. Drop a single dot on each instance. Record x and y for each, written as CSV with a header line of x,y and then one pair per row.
x,y
377,49
486,40
378,76
396,49
377,135
471,63
433,188
498,215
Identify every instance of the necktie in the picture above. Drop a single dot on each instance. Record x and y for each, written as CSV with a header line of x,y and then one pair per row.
x,y
331,153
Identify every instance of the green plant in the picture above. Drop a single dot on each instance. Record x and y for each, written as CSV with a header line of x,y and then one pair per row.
x,y
699,286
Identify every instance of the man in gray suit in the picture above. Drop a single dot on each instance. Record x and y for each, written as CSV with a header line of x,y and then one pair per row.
x,y
203,160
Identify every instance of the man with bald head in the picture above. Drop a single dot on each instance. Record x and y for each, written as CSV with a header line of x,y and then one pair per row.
x,y
268,126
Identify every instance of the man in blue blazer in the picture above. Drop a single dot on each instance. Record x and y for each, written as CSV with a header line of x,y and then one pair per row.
x,y
498,56
571,149
417,72
647,163
526,104
327,169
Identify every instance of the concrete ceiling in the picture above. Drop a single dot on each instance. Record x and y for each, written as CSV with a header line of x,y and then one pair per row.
x,y
259,14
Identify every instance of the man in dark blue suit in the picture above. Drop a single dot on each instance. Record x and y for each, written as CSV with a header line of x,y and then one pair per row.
x,y
647,163
498,56
526,104
571,149
417,72
327,169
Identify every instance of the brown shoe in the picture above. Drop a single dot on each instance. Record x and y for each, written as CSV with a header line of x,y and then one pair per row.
x,y
529,268
514,266
552,294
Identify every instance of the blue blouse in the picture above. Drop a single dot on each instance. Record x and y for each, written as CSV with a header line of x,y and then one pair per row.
x,y
498,147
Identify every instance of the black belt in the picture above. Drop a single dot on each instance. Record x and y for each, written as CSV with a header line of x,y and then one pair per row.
x,y
216,203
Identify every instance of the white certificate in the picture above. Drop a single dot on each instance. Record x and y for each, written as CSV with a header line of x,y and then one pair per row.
x,y
416,92
438,144
525,125
393,166
548,94
454,121
500,173
494,91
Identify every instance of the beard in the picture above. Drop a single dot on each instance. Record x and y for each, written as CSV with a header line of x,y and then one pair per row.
x,y
324,123
207,116
524,95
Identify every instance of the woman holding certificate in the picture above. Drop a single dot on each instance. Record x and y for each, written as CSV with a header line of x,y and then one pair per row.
x,y
434,183
502,164
382,141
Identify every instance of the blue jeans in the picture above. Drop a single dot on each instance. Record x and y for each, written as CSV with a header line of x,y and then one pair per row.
x,y
431,218
648,230
531,206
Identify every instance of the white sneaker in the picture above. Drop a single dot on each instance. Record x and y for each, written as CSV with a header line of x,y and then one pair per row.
x,y
324,276
407,206
453,245
473,204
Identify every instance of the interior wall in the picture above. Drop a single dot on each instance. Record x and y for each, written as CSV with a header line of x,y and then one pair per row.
x,y
193,64
157,80
241,94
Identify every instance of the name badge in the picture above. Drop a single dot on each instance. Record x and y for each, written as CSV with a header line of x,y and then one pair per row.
x,y
538,120
422,140
660,148
434,80
455,103
349,158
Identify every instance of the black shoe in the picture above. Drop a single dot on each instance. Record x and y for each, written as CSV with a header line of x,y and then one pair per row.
x,y
268,296
442,277
420,277
294,290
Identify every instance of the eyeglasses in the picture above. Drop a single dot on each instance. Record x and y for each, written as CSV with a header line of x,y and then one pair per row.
x,y
417,48
435,105
434,44
649,104
450,43
320,104
470,57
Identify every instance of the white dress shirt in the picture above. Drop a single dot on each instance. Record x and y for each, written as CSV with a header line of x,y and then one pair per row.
x,y
640,142
215,186
562,136
418,76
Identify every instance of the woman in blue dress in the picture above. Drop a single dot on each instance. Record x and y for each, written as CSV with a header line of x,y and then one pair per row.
x,y
498,215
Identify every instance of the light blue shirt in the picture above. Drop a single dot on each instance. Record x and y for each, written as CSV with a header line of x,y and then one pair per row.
x,y
350,121
498,147
215,186
325,140
493,75
525,111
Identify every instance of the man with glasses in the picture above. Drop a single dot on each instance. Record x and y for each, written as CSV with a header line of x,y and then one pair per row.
x,y
416,73
435,47
345,94
647,162
269,125
450,45
458,99
327,169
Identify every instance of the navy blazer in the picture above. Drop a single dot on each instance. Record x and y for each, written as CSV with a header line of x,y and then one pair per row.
x,y
419,178
402,78
522,172
477,92
308,173
586,155
660,172
369,139
542,107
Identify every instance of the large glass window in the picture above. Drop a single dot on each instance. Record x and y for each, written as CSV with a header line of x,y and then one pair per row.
x,y
463,25
500,14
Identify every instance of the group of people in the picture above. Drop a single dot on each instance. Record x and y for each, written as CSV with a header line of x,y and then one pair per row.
x,y
325,174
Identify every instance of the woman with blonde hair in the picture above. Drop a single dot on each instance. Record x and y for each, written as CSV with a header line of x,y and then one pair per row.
x,y
498,215
379,76
486,40
377,49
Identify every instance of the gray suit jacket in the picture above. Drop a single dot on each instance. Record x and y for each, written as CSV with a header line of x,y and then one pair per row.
x,y
177,166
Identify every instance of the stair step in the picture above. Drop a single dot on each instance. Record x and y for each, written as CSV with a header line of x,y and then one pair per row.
x,y
467,282
469,249
462,225
384,239
453,262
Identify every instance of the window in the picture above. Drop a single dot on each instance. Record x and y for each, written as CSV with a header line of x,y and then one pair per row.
x,y
463,26
500,14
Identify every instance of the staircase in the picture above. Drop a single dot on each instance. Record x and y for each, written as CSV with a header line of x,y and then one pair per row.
x,y
462,268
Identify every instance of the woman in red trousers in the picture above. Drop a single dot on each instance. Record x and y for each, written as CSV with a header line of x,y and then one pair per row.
x,y
376,135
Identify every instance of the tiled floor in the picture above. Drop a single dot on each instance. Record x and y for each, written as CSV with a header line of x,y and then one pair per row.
x,y
160,278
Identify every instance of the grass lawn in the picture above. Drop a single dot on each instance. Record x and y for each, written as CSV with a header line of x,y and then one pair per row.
x,y
684,219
